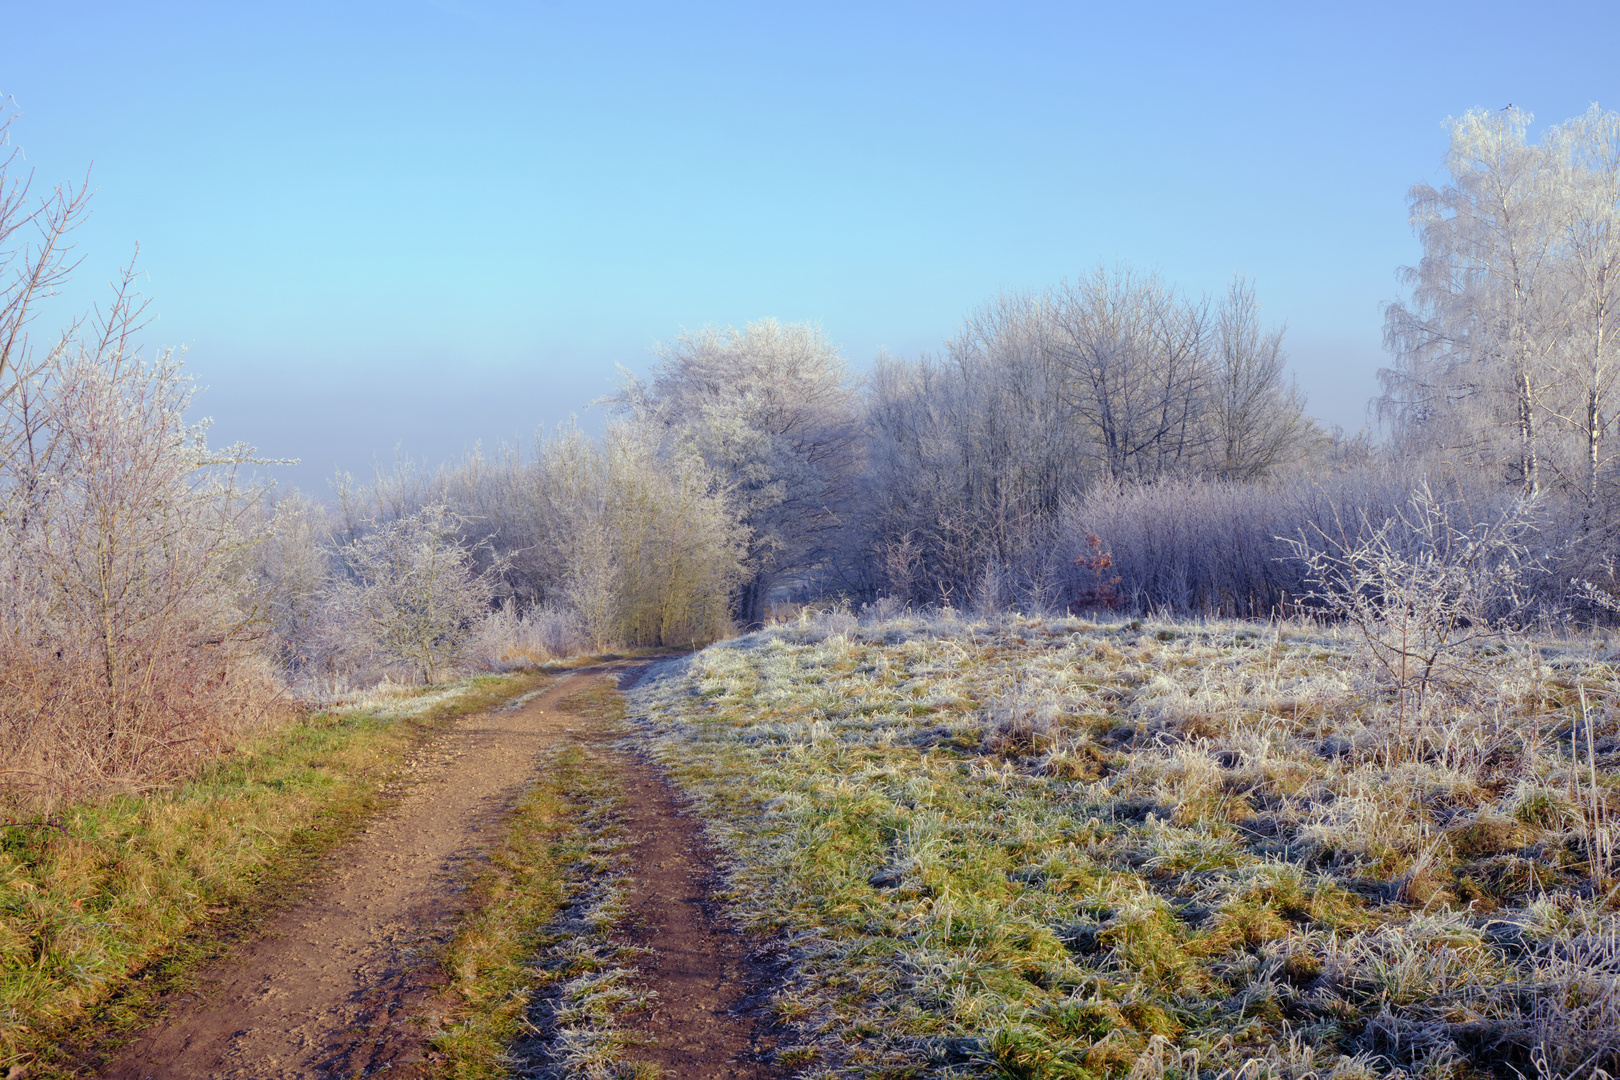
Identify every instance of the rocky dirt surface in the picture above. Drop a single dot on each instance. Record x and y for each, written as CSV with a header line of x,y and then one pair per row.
x,y
344,983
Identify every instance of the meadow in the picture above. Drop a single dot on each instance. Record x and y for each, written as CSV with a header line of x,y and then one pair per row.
x,y
1036,847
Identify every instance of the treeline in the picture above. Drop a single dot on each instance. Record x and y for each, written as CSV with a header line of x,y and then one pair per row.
x,y
570,543
972,458
751,468
1109,443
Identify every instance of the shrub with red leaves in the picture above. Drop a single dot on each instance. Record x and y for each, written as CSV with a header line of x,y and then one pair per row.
x,y
1093,587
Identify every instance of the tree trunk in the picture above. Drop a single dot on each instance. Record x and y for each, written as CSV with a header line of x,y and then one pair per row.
x,y
1529,465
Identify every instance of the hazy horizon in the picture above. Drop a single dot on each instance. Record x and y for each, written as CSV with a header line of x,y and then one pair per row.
x,y
447,223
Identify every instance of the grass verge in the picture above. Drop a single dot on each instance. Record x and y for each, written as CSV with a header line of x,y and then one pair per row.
x,y
116,902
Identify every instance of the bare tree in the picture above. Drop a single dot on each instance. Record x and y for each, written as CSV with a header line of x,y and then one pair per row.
x,y
35,260
127,616
1256,414
1137,362
618,539
1424,588
296,567
123,603
1020,449
970,455
1114,379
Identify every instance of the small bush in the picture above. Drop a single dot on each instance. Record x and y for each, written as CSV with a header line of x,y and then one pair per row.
x,y
415,596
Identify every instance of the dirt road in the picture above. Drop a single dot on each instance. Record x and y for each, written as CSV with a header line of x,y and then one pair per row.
x,y
343,983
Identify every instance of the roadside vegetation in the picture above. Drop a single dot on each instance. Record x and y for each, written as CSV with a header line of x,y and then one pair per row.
x,y
1067,848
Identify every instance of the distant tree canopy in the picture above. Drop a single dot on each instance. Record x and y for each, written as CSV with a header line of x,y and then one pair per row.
x,y
1111,417
772,412
1115,378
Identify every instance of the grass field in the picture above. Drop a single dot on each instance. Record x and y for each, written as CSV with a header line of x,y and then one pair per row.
x,y
1067,849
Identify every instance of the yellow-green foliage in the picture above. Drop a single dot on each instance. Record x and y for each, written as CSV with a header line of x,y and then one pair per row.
x,y
110,887
1079,850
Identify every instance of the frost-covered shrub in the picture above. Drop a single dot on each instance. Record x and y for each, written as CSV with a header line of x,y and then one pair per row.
x,y
1227,548
508,639
126,621
414,596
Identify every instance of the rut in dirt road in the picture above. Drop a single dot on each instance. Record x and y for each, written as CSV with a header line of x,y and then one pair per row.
x,y
344,983
708,1014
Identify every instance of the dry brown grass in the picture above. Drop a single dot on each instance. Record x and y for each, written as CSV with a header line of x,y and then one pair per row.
x,y
64,737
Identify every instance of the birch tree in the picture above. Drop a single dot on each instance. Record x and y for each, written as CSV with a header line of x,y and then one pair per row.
x,y
1475,345
1586,153
1504,352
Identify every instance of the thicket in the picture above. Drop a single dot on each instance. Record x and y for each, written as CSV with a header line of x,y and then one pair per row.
x,y
1116,409
518,557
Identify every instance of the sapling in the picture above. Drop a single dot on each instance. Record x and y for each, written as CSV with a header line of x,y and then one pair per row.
x,y
1424,589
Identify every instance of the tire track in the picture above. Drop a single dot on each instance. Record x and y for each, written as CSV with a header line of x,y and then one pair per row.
x,y
345,982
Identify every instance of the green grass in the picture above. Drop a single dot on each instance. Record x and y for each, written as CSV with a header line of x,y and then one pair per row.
x,y
130,894
535,977
1072,850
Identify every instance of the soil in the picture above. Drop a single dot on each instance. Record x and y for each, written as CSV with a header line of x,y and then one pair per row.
x,y
708,1016
345,982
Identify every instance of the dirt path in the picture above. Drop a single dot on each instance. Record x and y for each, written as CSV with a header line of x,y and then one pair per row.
x,y
705,1017
343,985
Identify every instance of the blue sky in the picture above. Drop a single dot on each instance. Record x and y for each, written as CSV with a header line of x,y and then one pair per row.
x,y
431,222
